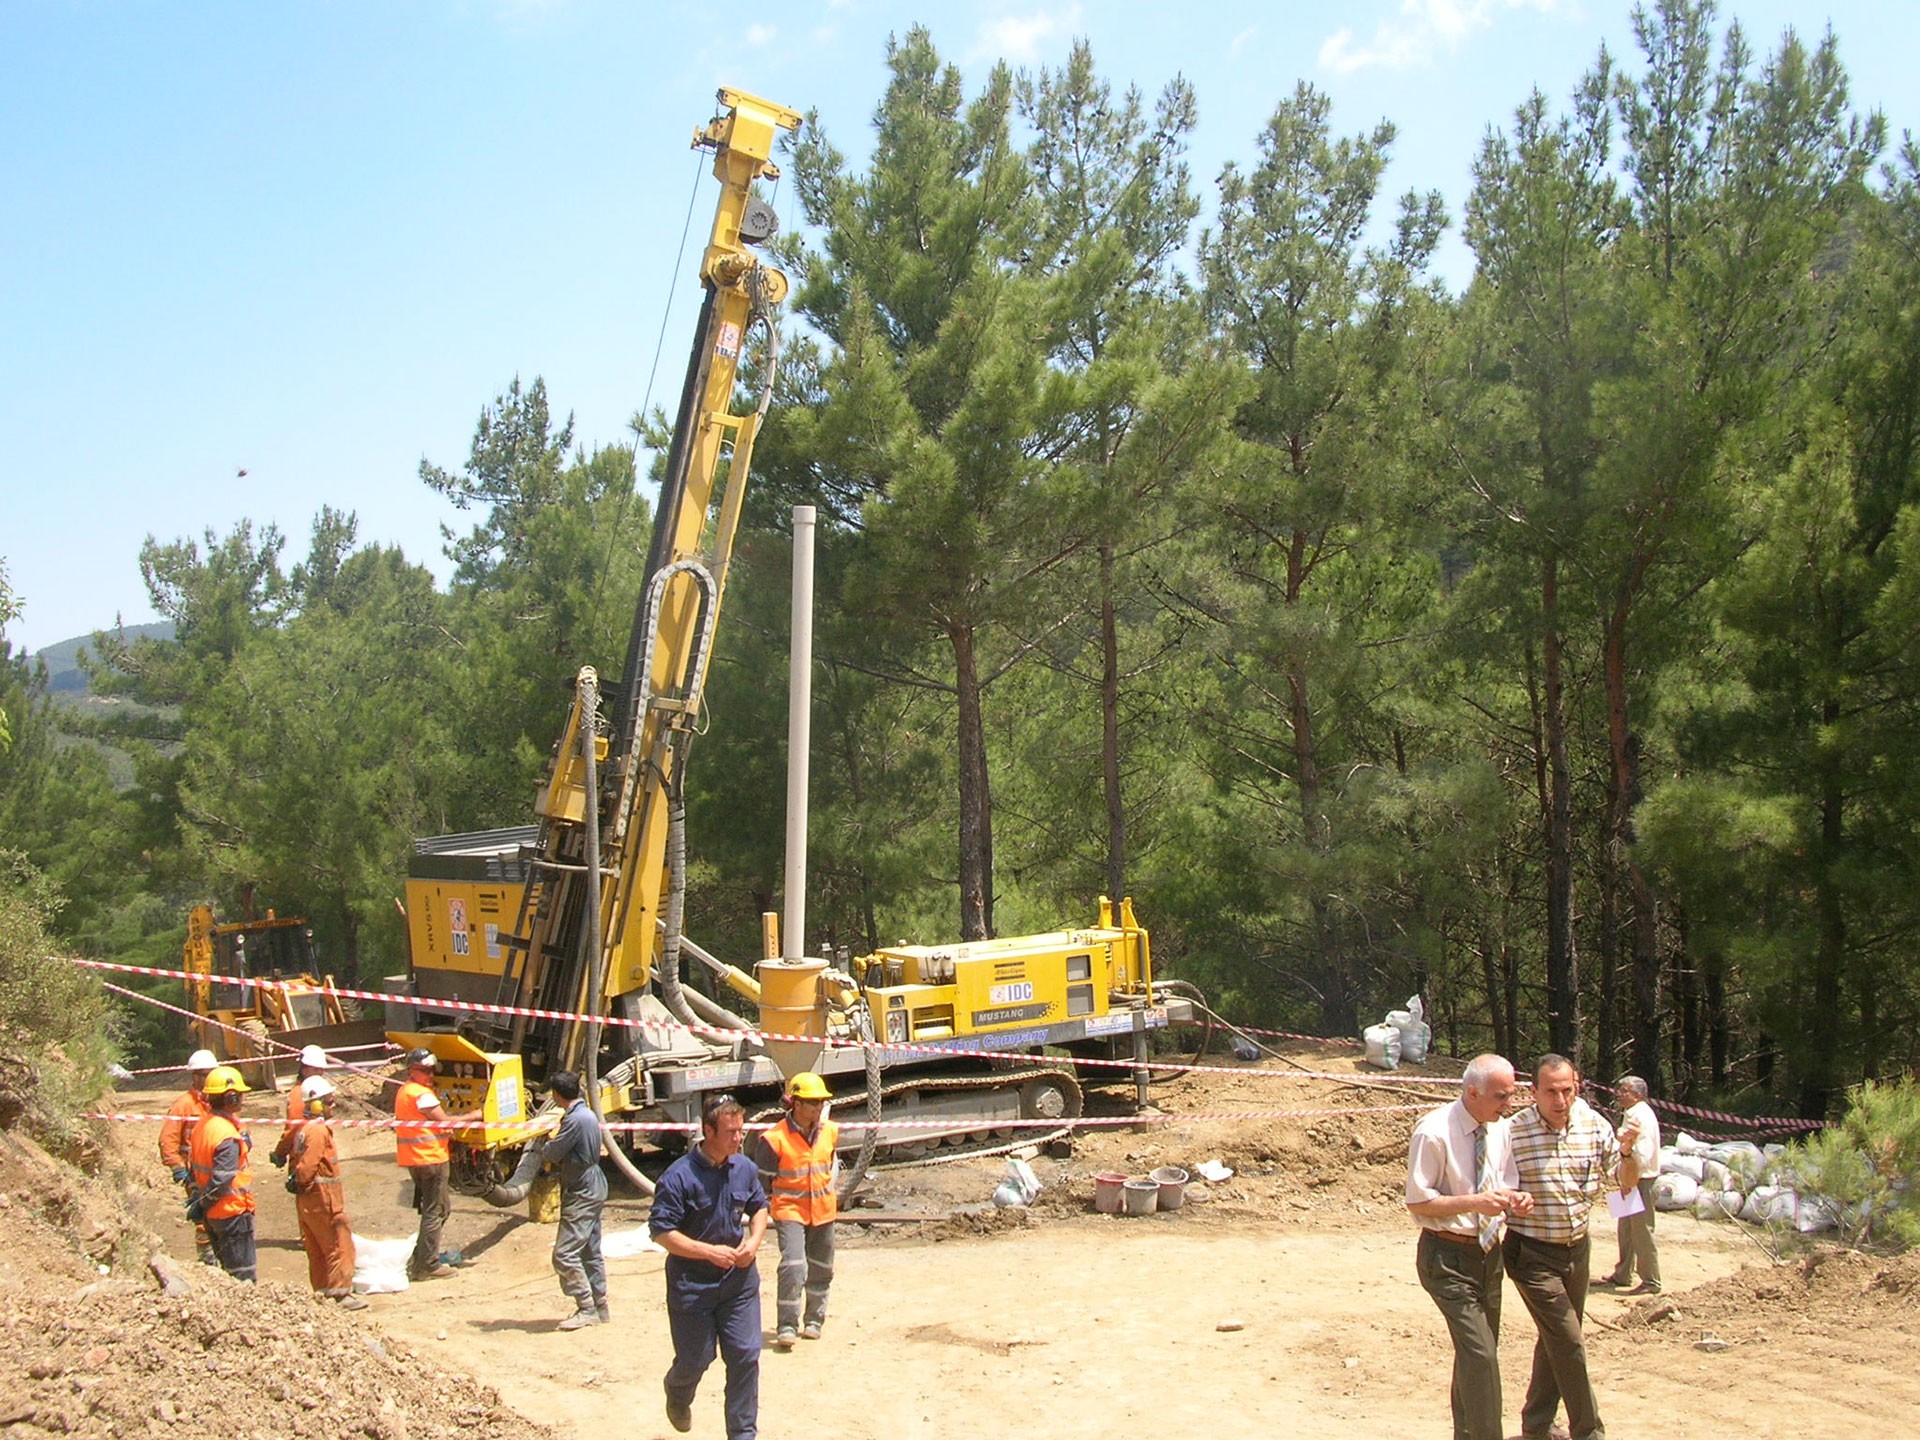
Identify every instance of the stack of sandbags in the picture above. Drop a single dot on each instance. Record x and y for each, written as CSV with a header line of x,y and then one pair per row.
x,y
1404,1035
1735,1180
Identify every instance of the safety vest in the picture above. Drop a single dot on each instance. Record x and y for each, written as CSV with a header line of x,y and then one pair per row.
x,y
208,1136
802,1186
414,1143
189,1108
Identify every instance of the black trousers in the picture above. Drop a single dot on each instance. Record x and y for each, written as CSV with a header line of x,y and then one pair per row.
x,y
233,1245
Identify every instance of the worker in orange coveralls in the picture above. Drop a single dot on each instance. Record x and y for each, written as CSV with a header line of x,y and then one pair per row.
x,y
320,1199
313,1061
176,1131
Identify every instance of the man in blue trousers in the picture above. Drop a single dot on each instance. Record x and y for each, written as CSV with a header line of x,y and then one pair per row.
x,y
709,1214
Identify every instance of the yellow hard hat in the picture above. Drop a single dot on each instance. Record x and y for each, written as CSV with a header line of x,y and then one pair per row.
x,y
225,1080
808,1086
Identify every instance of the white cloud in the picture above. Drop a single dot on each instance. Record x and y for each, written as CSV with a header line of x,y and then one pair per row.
x,y
1019,38
1240,41
1422,30
760,34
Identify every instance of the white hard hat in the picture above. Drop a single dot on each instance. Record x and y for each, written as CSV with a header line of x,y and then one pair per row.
x,y
202,1060
316,1087
314,1056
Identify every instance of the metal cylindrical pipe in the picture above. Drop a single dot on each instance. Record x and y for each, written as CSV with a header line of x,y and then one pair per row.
x,y
799,733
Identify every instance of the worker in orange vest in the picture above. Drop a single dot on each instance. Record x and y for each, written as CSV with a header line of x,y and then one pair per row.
x,y
313,1061
176,1131
797,1163
320,1198
421,1150
220,1172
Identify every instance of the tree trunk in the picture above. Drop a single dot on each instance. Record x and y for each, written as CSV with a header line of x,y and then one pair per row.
x,y
1490,979
1719,1031
1623,799
1606,1026
976,800
1110,730
1339,1014
349,973
1686,992
1821,1080
1563,966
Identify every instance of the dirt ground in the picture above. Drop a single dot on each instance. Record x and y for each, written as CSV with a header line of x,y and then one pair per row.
x,y
1282,1297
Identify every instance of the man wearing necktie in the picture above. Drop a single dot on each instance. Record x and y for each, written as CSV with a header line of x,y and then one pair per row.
x,y
1462,1184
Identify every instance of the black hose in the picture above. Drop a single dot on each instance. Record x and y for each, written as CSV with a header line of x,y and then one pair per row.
x,y
1195,994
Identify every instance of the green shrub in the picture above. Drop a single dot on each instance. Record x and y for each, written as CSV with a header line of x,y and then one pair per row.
x,y
1869,1164
53,1015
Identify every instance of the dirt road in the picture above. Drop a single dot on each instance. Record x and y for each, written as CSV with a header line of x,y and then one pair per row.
x,y
1085,1325
1066,1323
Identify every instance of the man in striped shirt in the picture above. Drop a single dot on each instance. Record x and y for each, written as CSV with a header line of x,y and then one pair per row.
x,y
1568,1157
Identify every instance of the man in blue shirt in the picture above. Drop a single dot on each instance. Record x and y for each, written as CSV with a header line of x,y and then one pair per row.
x,y
575,1148
709,1214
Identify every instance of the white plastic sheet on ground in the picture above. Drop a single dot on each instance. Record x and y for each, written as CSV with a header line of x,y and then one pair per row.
x,y
619,1244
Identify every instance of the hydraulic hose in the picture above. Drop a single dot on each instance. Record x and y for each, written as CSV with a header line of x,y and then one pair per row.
x,y
514,1190
590,933
672,992
871,1142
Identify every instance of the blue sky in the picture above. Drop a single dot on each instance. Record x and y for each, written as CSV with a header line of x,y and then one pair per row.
x,y
311,241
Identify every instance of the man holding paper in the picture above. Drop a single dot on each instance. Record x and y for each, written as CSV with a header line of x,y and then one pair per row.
x,y
1635,1227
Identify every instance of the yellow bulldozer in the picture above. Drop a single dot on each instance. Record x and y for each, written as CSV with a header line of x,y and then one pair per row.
x,y
261,1027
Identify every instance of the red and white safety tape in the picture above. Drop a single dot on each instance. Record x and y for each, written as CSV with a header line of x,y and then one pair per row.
x,y
477,1007
984,1121
1749,1122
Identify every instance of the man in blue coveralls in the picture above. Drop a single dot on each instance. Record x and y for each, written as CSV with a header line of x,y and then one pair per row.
x,y
709,1214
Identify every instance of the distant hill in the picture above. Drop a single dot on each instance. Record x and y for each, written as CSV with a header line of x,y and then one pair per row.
x,y
64,675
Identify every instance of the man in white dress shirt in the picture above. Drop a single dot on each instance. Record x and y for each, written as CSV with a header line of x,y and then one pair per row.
x,y
1462,1184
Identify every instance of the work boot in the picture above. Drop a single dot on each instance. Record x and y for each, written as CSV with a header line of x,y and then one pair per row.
x,y
586,1315
352,1302
606,1311
679,1415
435,1271
810,1330
785,1338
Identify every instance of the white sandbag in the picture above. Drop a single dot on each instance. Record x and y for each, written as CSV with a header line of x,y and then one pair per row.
x,y
380,1266
1749,1166
1675,1192
1691,1166
1667,1156
1018,1187
1715,1176
1773,1152
1383,1046
1717,1204
1415,1034
1814,1214
1768,1204
1687,1145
